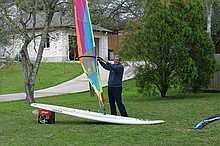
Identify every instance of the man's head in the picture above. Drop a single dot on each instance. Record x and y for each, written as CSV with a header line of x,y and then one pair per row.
x,y
117,59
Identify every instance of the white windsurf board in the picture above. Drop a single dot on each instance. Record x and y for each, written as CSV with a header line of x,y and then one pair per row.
x,y
95,116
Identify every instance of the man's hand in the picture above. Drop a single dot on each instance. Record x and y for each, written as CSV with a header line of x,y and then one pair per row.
x,y
100,59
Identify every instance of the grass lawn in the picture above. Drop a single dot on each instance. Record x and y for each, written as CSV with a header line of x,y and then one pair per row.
x,y
19,126
49,74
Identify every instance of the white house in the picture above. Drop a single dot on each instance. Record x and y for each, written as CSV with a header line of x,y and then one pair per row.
x,y
61,45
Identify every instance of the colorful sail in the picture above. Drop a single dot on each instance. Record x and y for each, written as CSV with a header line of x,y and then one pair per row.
x,y
86,48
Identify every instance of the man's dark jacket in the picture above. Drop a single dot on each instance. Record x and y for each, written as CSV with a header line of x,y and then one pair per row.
x,y
116,73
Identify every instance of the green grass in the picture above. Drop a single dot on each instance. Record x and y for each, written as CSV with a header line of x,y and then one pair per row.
x,y
50,74
19,126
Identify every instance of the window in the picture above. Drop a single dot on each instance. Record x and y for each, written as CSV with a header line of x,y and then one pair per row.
x,y
73,49
47,43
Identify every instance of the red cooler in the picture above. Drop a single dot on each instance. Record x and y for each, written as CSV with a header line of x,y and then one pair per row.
x,y
46,117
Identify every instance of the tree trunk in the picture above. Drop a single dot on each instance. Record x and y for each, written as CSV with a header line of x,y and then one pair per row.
x,y
163,90
29,93
209,11
27,72
163,93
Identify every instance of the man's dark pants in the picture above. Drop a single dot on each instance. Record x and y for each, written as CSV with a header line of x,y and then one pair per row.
x,y
114,94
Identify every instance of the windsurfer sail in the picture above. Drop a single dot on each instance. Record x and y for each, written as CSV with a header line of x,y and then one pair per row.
x,y
86,48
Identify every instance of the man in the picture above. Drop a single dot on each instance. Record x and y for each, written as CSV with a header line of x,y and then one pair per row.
x,y
115,84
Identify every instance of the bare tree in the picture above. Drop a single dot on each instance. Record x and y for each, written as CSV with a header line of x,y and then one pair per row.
x,y
113,14
19,16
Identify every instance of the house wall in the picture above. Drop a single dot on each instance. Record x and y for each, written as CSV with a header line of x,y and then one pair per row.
x,y
59,46
115,42
103,45
58,50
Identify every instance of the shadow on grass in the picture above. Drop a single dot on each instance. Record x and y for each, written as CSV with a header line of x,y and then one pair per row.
x,y
190,96
85,122
178,96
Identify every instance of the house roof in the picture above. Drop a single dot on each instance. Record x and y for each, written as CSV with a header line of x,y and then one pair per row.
x,y
60,21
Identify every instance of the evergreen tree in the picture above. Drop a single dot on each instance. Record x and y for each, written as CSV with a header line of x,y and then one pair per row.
x,y
172,42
